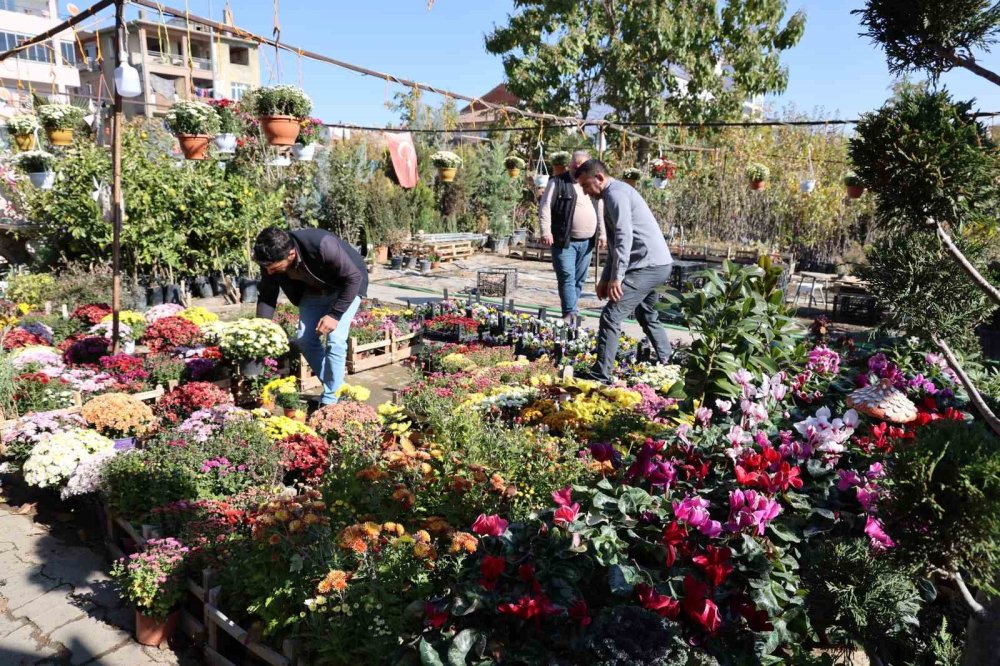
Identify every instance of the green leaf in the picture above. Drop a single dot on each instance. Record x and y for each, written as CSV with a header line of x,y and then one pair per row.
x,y
460,646
428,655
622,579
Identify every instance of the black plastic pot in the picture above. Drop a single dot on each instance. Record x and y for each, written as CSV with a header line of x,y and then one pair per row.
x,y
171,293
218,283
990,340
202,288
248,290
396,263
141,298
409,262
154,295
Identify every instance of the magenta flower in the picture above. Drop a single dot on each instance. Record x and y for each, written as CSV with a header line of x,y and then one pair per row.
x,y
749,509
563,496
848,479
492,525
565,515
694,512
879,539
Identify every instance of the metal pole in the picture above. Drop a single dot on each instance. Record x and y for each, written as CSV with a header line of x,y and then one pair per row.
x,y
118,207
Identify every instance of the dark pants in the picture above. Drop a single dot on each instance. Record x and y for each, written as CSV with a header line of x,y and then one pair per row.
x,y
639,296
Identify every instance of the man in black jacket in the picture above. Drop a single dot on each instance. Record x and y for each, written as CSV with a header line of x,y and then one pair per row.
x,y
326,278
571,225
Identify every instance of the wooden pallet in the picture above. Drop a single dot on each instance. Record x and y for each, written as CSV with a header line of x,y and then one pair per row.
x,y
446,250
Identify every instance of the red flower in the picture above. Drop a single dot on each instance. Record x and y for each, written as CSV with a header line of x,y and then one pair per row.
x,y
307,454
528,608
91,313
434,617
563,496
698,606
578,611
491,568
526,572
674,538
757,619
660,604
566,514
171,332
715,564
489,525
180,403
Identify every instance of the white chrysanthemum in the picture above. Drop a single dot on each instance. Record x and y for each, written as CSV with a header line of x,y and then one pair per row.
x,y
52,461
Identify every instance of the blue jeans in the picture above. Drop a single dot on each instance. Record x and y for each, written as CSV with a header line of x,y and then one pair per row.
x,y
328,363
570,264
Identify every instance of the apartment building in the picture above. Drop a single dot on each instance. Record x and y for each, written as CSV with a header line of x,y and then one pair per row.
x,y
48,68
176,61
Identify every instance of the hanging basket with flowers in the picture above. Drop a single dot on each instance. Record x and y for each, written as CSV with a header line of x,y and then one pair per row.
x,y
855,187
308,140
447,164
194,123
757,174
37,164
59,121
632,176
230,126
560,162
23,128
513,164
280,110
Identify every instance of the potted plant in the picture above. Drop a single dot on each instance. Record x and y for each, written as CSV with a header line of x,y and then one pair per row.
x,y
425,265
806,186
280,109
662,170
560,162
434,259
757,174
59,121
120,417
447,164
153,581
513,164
291,403
229,125
309,134
247,342
194,123
855,188
38,165
23,127
632,176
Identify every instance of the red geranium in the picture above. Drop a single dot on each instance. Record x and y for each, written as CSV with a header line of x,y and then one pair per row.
x,y
171,332
307,454
91,313
185,400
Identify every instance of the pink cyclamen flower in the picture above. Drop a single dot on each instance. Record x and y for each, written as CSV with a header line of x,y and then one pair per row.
x,y
879,539
868,498
563,496
566,514
703,415
848,479
489,525
742,377
694,512
723,405
875,471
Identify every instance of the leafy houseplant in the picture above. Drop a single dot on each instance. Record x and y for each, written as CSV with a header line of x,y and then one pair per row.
x,y
23,127
308,139
757,174
153,580
194,123
229,125
290,402
280,109
560,161
38,165
447,164
513,164
855,187
59,121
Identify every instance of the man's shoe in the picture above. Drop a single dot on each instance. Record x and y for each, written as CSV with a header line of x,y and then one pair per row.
x,y
589,375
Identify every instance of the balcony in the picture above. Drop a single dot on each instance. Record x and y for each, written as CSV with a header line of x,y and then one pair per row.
x,y
88,65
177,60
40,9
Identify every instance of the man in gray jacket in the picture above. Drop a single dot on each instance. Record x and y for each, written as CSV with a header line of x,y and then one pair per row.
x,y
639,261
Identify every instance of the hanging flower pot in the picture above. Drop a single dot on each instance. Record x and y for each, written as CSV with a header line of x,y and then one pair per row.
x,y
194,146
59,120
541,180
38,165
807,186
280,130
24,141
60,137
447,164
304,153
660,183
757,174
23,127
154,631
855,188
226,143
43,180
664,169
513,164
279,109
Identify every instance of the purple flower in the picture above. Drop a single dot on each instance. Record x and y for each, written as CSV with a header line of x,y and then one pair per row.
x,y
879,539
823,361
749,509
848,479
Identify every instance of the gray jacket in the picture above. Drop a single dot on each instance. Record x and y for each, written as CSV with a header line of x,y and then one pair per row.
x,y
634,236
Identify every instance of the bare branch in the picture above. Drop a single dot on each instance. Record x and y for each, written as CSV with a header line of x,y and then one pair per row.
x,y
969,63
978,278
977,608
974,396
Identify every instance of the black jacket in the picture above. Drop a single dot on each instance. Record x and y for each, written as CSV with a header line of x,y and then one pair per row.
x,y
563,208
331,261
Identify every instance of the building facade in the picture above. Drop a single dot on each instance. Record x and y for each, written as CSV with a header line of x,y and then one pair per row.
x,y
48,69
176,61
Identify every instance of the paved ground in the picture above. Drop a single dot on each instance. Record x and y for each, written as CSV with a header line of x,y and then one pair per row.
x,y
56,602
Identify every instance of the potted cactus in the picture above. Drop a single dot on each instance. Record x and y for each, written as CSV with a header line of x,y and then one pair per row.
x,y
38,165
305,145
560,162
194,123
280,109
59,121
757,174
229,125
23,127
447,164
632,176
855,188
514,164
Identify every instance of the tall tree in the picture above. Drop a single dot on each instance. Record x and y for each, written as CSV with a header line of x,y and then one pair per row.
x,y
648,60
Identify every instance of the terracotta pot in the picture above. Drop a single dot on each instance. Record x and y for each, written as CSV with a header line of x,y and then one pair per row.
x,y
60,137
382,253
153,630
559,169
758,184
513,173
24,141
295,414
194,146
435,265
447,174
280,130
630,181
855,191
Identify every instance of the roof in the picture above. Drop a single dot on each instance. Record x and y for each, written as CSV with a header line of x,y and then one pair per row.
x,y
499,95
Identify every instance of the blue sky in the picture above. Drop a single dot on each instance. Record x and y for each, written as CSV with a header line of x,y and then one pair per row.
x,y
832,68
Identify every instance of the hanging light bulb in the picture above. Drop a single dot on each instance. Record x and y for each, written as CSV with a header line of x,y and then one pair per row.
x,y
127,81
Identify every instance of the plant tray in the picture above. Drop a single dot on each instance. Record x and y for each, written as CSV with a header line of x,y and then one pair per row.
x,y
455,334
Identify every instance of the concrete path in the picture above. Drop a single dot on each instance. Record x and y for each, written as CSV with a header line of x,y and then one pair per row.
x,y
57,605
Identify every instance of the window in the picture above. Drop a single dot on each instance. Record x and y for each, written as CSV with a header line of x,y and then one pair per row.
x,y
68,52
237,90
38,52
239,55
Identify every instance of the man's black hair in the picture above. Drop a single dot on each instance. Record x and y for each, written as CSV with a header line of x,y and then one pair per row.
x,y
272,244
591,168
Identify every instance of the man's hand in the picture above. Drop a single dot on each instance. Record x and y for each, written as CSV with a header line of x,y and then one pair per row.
x,y
326,325
615,292
602,244
602,289
547,240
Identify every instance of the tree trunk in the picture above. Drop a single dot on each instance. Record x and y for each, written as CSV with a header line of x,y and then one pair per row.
x,y
978,278
969,64
982,639
974,396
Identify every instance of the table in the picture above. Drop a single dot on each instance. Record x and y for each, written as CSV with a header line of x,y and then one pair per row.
x,y
810,283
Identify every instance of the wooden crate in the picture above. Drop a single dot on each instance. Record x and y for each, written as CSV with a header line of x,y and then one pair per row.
x,y
215,620
391,349
447,250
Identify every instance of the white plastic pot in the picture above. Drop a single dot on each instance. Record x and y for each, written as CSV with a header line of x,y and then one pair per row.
x,y
660,183
541,180
280,161
226,143
43,180
304,153
807,186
